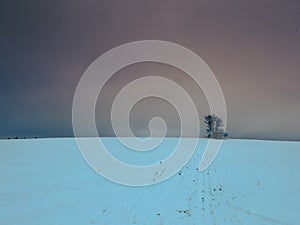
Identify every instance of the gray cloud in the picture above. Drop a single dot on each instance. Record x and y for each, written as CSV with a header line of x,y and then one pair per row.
x,y
252,47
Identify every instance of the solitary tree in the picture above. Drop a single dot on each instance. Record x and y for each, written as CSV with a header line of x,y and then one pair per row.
x,y
214,126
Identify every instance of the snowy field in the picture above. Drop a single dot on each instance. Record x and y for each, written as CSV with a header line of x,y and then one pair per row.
x,y
47,182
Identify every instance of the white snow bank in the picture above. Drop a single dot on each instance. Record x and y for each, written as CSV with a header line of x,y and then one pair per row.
x,y
46,181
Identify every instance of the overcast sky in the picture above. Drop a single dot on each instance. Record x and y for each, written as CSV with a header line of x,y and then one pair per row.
x,y
253,48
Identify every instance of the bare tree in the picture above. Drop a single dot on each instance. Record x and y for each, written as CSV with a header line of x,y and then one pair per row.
x,y
214,126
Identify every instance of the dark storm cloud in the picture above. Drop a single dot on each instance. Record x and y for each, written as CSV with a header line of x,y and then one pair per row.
x,y
252,47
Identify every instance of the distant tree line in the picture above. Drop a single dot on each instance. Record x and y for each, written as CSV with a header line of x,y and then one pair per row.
x,y
17,137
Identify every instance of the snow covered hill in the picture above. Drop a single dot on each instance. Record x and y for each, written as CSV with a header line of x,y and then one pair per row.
x,y
47,182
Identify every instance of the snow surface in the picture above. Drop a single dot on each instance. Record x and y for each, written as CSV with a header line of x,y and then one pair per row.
x,y
46,181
